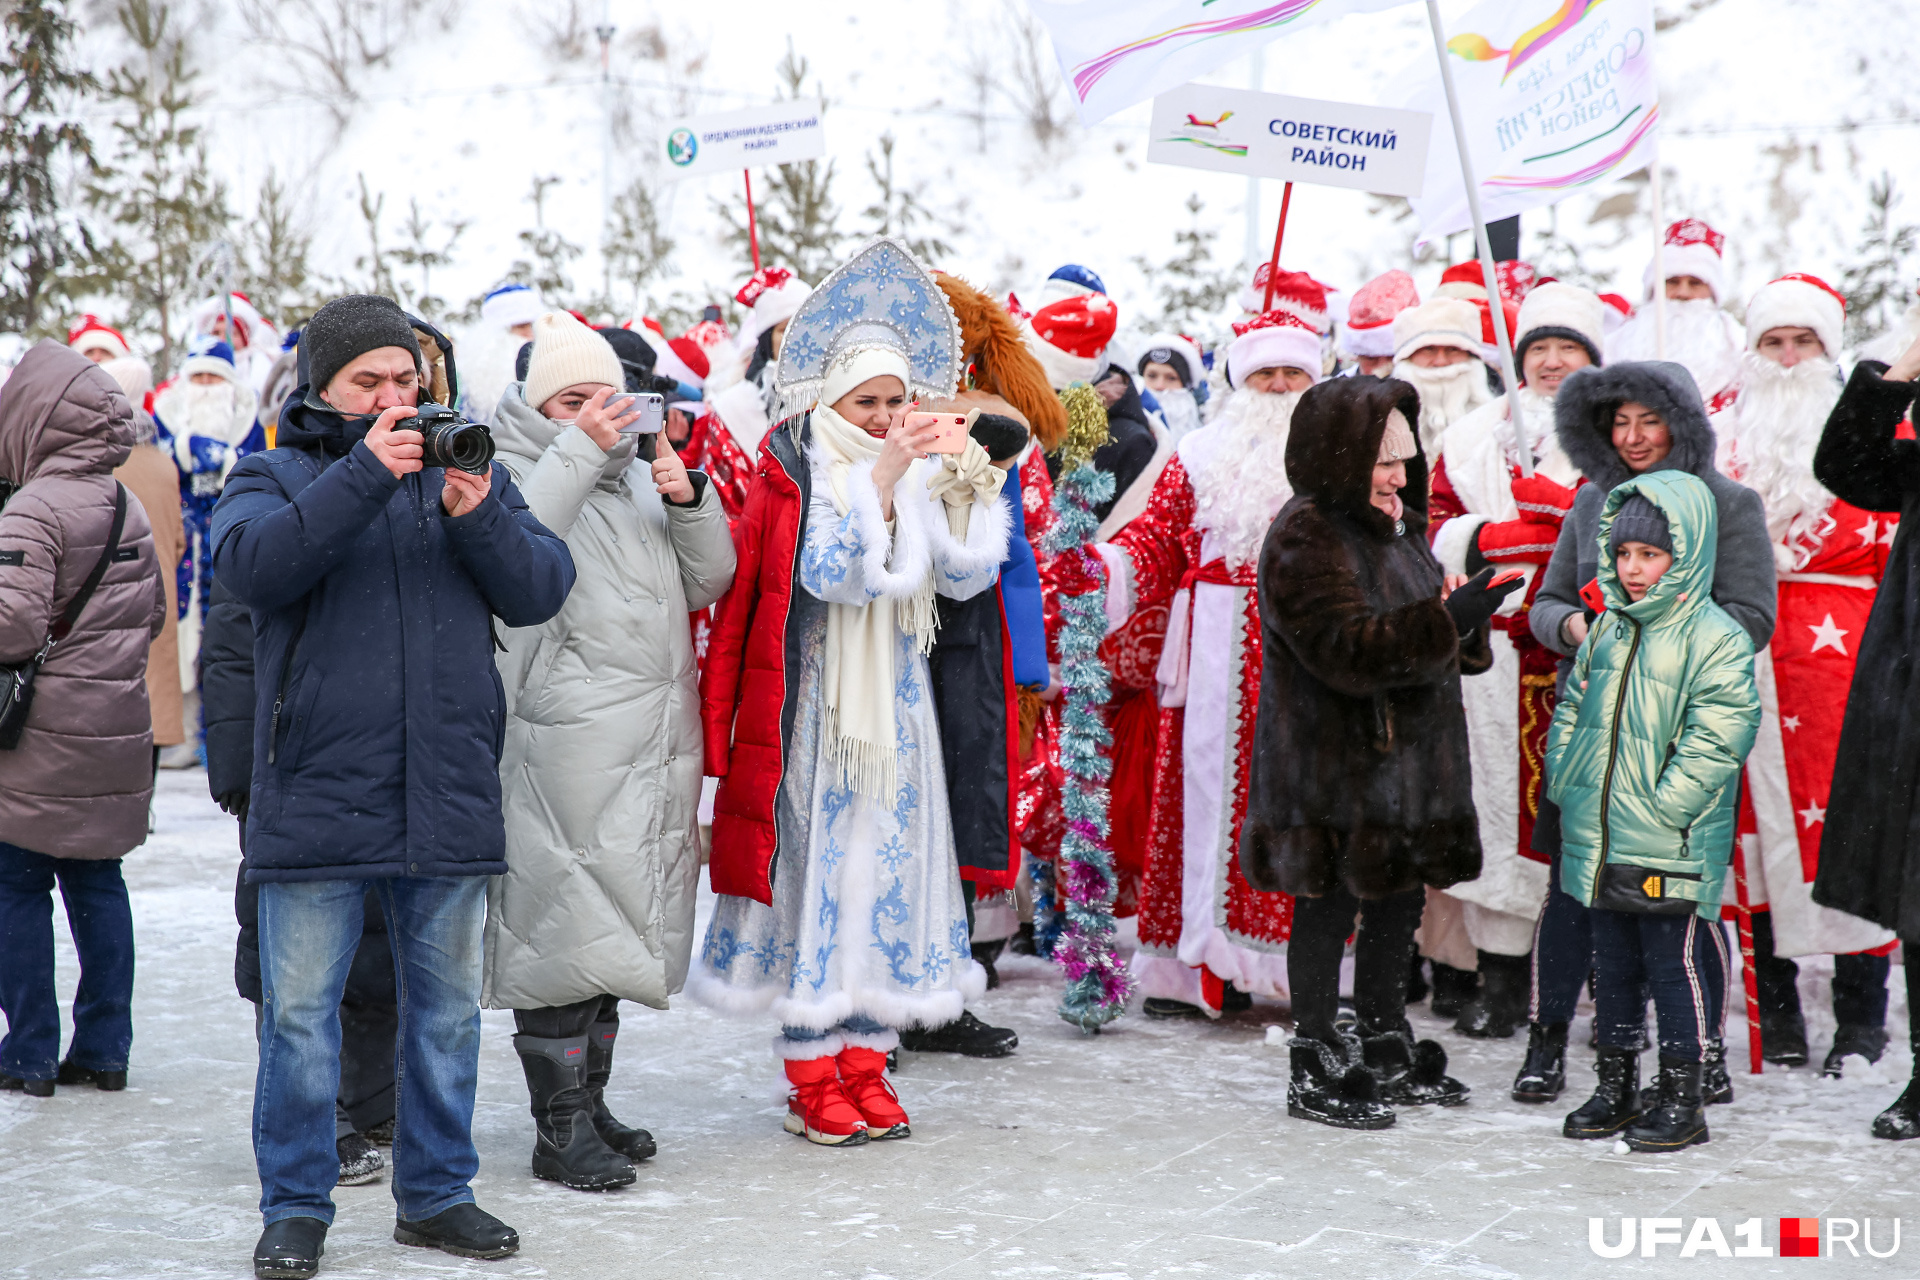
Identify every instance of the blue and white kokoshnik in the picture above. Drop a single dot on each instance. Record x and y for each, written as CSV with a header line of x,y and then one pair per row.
x,y
881,297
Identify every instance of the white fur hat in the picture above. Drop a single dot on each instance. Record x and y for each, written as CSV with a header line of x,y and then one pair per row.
x,y
1563,310
565,353
1275,340
1437,322
509,305
1798,301
1174,344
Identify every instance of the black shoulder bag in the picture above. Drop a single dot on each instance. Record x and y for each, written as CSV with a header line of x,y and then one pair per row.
x,y
16,680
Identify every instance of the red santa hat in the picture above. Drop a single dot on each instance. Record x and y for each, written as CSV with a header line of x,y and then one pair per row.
x,y
1489,339
1798,301
1369,329
1466,280
251,330
771,294
682,359
1441,322
1274,340
1070,337
1618,311
1694,249
1294,292
92,333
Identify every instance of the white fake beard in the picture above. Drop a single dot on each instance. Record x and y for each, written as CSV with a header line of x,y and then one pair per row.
x,y
211,410
1181,410
1778,420
1242,489
1447,394
1697,337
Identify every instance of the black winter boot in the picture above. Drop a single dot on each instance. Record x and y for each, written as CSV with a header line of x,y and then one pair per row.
x,y
290,1249
1417,987
72,1072
1680,1119
1500,1007
360,1160
1452,988
1615,1103
1411,1075
1901,1120
465,1231
987,953
965,1035
1868,1042
1716,1084
32,1088
1544,1074
1329,1089
634,1144
1783,1034
565,1147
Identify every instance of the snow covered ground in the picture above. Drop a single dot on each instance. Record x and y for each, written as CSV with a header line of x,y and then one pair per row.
x,y
1152,1150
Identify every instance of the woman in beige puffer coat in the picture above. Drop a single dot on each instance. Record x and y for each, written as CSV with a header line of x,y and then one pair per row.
x,y
602,766
74,791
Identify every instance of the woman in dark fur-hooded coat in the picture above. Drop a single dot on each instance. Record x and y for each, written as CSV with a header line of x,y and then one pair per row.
x,y
1360,773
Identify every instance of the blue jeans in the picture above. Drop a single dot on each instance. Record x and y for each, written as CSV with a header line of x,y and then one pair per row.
x,y
1679,959
309,932
102,925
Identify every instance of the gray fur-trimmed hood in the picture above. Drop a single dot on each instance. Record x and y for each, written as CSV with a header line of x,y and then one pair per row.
x,y
1583,418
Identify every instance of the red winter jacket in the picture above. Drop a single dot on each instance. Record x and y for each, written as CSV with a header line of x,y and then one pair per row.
x,y
746,701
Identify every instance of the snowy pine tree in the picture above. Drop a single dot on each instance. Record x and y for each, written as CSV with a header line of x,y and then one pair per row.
x,y
1877,287
164,204
900,211
1190,289
795,214
40,237
274,247
636,245
550,252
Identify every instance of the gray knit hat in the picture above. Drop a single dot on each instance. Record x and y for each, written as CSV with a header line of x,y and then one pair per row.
x,y
1639,520
348,328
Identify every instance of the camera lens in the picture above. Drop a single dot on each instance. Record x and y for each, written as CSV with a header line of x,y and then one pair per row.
x,y
467,447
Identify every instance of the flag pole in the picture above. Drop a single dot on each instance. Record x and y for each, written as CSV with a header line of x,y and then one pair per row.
x,y
1659,262
753,228
1279,234
1488,270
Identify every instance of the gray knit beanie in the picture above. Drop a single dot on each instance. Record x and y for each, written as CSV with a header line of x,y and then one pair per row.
x,y
1639,520
348,328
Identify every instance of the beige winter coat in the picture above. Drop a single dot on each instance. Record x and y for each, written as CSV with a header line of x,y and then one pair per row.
x,y
601,773
79,783
151,476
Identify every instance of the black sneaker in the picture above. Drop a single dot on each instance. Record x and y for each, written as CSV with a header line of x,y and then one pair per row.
x,y
965,1035
465,1231
32,1088
290,1249
72,1072
360,1161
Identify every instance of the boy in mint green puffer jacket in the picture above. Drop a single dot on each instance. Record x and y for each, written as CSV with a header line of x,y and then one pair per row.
x,y
1643,759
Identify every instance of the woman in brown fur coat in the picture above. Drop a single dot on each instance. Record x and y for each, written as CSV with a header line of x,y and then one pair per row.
x,y
1360,794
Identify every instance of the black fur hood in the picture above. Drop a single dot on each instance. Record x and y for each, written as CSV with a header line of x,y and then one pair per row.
x,y
1332,443
1583,418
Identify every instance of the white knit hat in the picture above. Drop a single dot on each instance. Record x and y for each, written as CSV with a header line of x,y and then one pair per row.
x,y
1798,301
567,353
1437,322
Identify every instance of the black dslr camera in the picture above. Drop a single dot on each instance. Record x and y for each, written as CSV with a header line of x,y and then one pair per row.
x,y
449,440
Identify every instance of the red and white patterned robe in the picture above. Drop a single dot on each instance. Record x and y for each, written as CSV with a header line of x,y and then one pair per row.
x,y
1804,675
1201,923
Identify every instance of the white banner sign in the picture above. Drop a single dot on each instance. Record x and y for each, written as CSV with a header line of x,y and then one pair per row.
x,y
1270,135
780,133
1556,95
1114,53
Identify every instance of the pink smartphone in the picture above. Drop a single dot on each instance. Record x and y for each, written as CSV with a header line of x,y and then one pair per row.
x,y
951,436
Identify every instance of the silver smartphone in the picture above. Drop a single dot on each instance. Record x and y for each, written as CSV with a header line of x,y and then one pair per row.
x,y
653,412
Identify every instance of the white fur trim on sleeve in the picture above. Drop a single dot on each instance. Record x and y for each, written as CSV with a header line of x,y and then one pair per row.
x,y
1455,539
1119,584
989,525
790,1050
896,562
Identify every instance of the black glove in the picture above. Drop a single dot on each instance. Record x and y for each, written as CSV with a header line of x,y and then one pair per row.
x,y
1473,602
235,803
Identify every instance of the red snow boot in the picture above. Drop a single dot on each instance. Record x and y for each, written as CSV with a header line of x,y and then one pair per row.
x,y
863,1072
818,1109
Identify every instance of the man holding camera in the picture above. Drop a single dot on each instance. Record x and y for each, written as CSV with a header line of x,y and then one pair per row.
x,y
374,572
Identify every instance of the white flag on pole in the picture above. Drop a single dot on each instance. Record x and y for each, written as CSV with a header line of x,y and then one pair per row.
x,y
1556,95
1115,53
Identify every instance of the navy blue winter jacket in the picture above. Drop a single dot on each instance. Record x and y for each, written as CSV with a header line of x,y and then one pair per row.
x,y
378,712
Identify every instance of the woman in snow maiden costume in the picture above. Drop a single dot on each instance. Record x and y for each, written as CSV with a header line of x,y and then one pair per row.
x,y
840,906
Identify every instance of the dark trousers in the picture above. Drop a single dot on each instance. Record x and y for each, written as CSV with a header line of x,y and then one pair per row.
x,y
1859,981
566,1021
1382,958
1562,959
1680,959
102,923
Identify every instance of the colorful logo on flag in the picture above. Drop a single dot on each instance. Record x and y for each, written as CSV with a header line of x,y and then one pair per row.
x,y
1642,121
1206,133
1534,40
